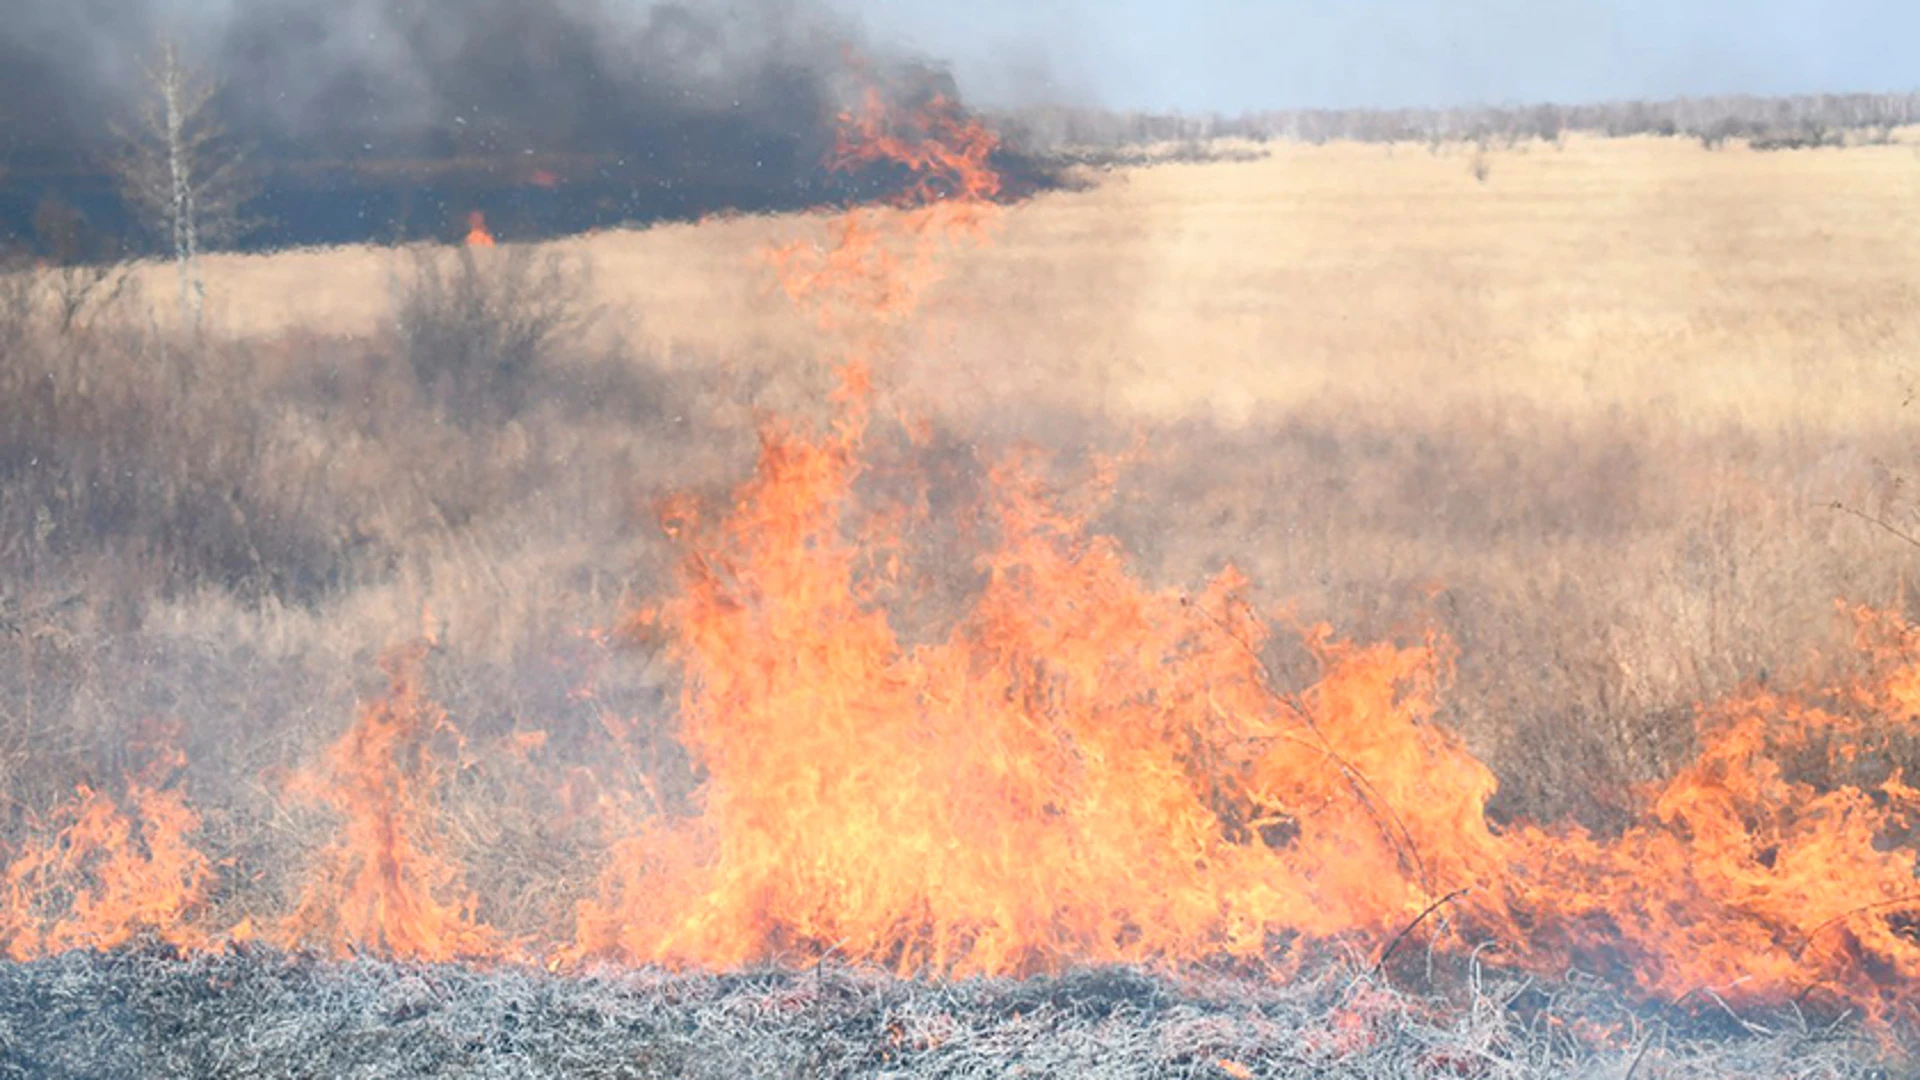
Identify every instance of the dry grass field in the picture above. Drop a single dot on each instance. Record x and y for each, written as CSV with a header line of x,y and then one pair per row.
x,y
1766,289
1587,414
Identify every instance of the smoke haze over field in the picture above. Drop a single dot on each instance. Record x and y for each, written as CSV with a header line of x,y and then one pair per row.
x,y
635,110
380,77
395,119
757,79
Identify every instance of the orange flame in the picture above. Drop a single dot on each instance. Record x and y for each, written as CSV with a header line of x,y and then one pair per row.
x,y
863,279
1087,770
379,885
1083,771
1746,878
477,234
108,872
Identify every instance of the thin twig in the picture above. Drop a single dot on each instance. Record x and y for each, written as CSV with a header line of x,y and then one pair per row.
x,y
1634,1065
1645,1046
1750,1027
1376,807
1417,920
1877,522
1909,900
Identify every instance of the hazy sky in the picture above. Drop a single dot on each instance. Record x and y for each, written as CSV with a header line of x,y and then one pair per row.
x,y
1233,55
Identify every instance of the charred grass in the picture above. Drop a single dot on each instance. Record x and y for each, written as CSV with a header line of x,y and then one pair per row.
x,y
258,1013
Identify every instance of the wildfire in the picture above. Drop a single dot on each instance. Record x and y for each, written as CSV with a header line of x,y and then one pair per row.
x,y
381,884
1781,862
1088,770
109,870
477,234
1084,769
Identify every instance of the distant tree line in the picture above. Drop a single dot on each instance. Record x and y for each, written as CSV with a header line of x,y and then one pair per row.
x,y
1767,122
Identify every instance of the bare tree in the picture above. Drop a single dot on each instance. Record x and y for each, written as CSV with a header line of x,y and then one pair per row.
x,y
181,172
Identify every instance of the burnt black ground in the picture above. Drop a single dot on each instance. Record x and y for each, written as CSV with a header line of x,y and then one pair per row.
x,y
260,1013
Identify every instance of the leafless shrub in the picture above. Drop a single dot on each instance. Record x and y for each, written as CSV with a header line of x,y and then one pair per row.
x,y
17,288
1480,166
476,324
108,449
1715,135
1813,136
81,272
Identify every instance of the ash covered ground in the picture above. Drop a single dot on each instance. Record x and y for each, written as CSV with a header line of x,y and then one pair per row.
x,y
247,1013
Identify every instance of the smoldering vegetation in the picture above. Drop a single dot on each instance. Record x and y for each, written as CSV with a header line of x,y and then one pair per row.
x,y
374,121
257,1013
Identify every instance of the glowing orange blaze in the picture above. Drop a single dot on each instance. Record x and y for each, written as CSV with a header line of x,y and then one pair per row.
x,y
109,871
477,234
1746,878
1084,771
1090,770
385,883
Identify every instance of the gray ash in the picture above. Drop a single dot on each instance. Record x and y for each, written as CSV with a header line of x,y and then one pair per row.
x,y
246,1013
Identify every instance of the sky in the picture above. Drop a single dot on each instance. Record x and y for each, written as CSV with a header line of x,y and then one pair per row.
x,y
1243,55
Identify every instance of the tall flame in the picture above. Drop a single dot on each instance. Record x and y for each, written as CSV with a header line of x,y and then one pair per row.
x,y
778,581
385,883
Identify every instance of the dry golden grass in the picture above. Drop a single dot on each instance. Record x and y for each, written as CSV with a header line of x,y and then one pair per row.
x,y
1767,288
1586,415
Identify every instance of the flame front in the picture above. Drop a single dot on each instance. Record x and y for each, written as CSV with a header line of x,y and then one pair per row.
x,y
109,871
1089,770
1083,769
1745,877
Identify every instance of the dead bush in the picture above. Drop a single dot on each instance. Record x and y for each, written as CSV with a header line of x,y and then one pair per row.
x,y
118,450
477,324
1805,137
82,277
16,302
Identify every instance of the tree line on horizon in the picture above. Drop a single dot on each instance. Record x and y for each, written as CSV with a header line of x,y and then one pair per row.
x,y
1789,122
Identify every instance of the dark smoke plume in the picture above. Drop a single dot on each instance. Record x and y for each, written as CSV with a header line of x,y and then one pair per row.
x,y
392,119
